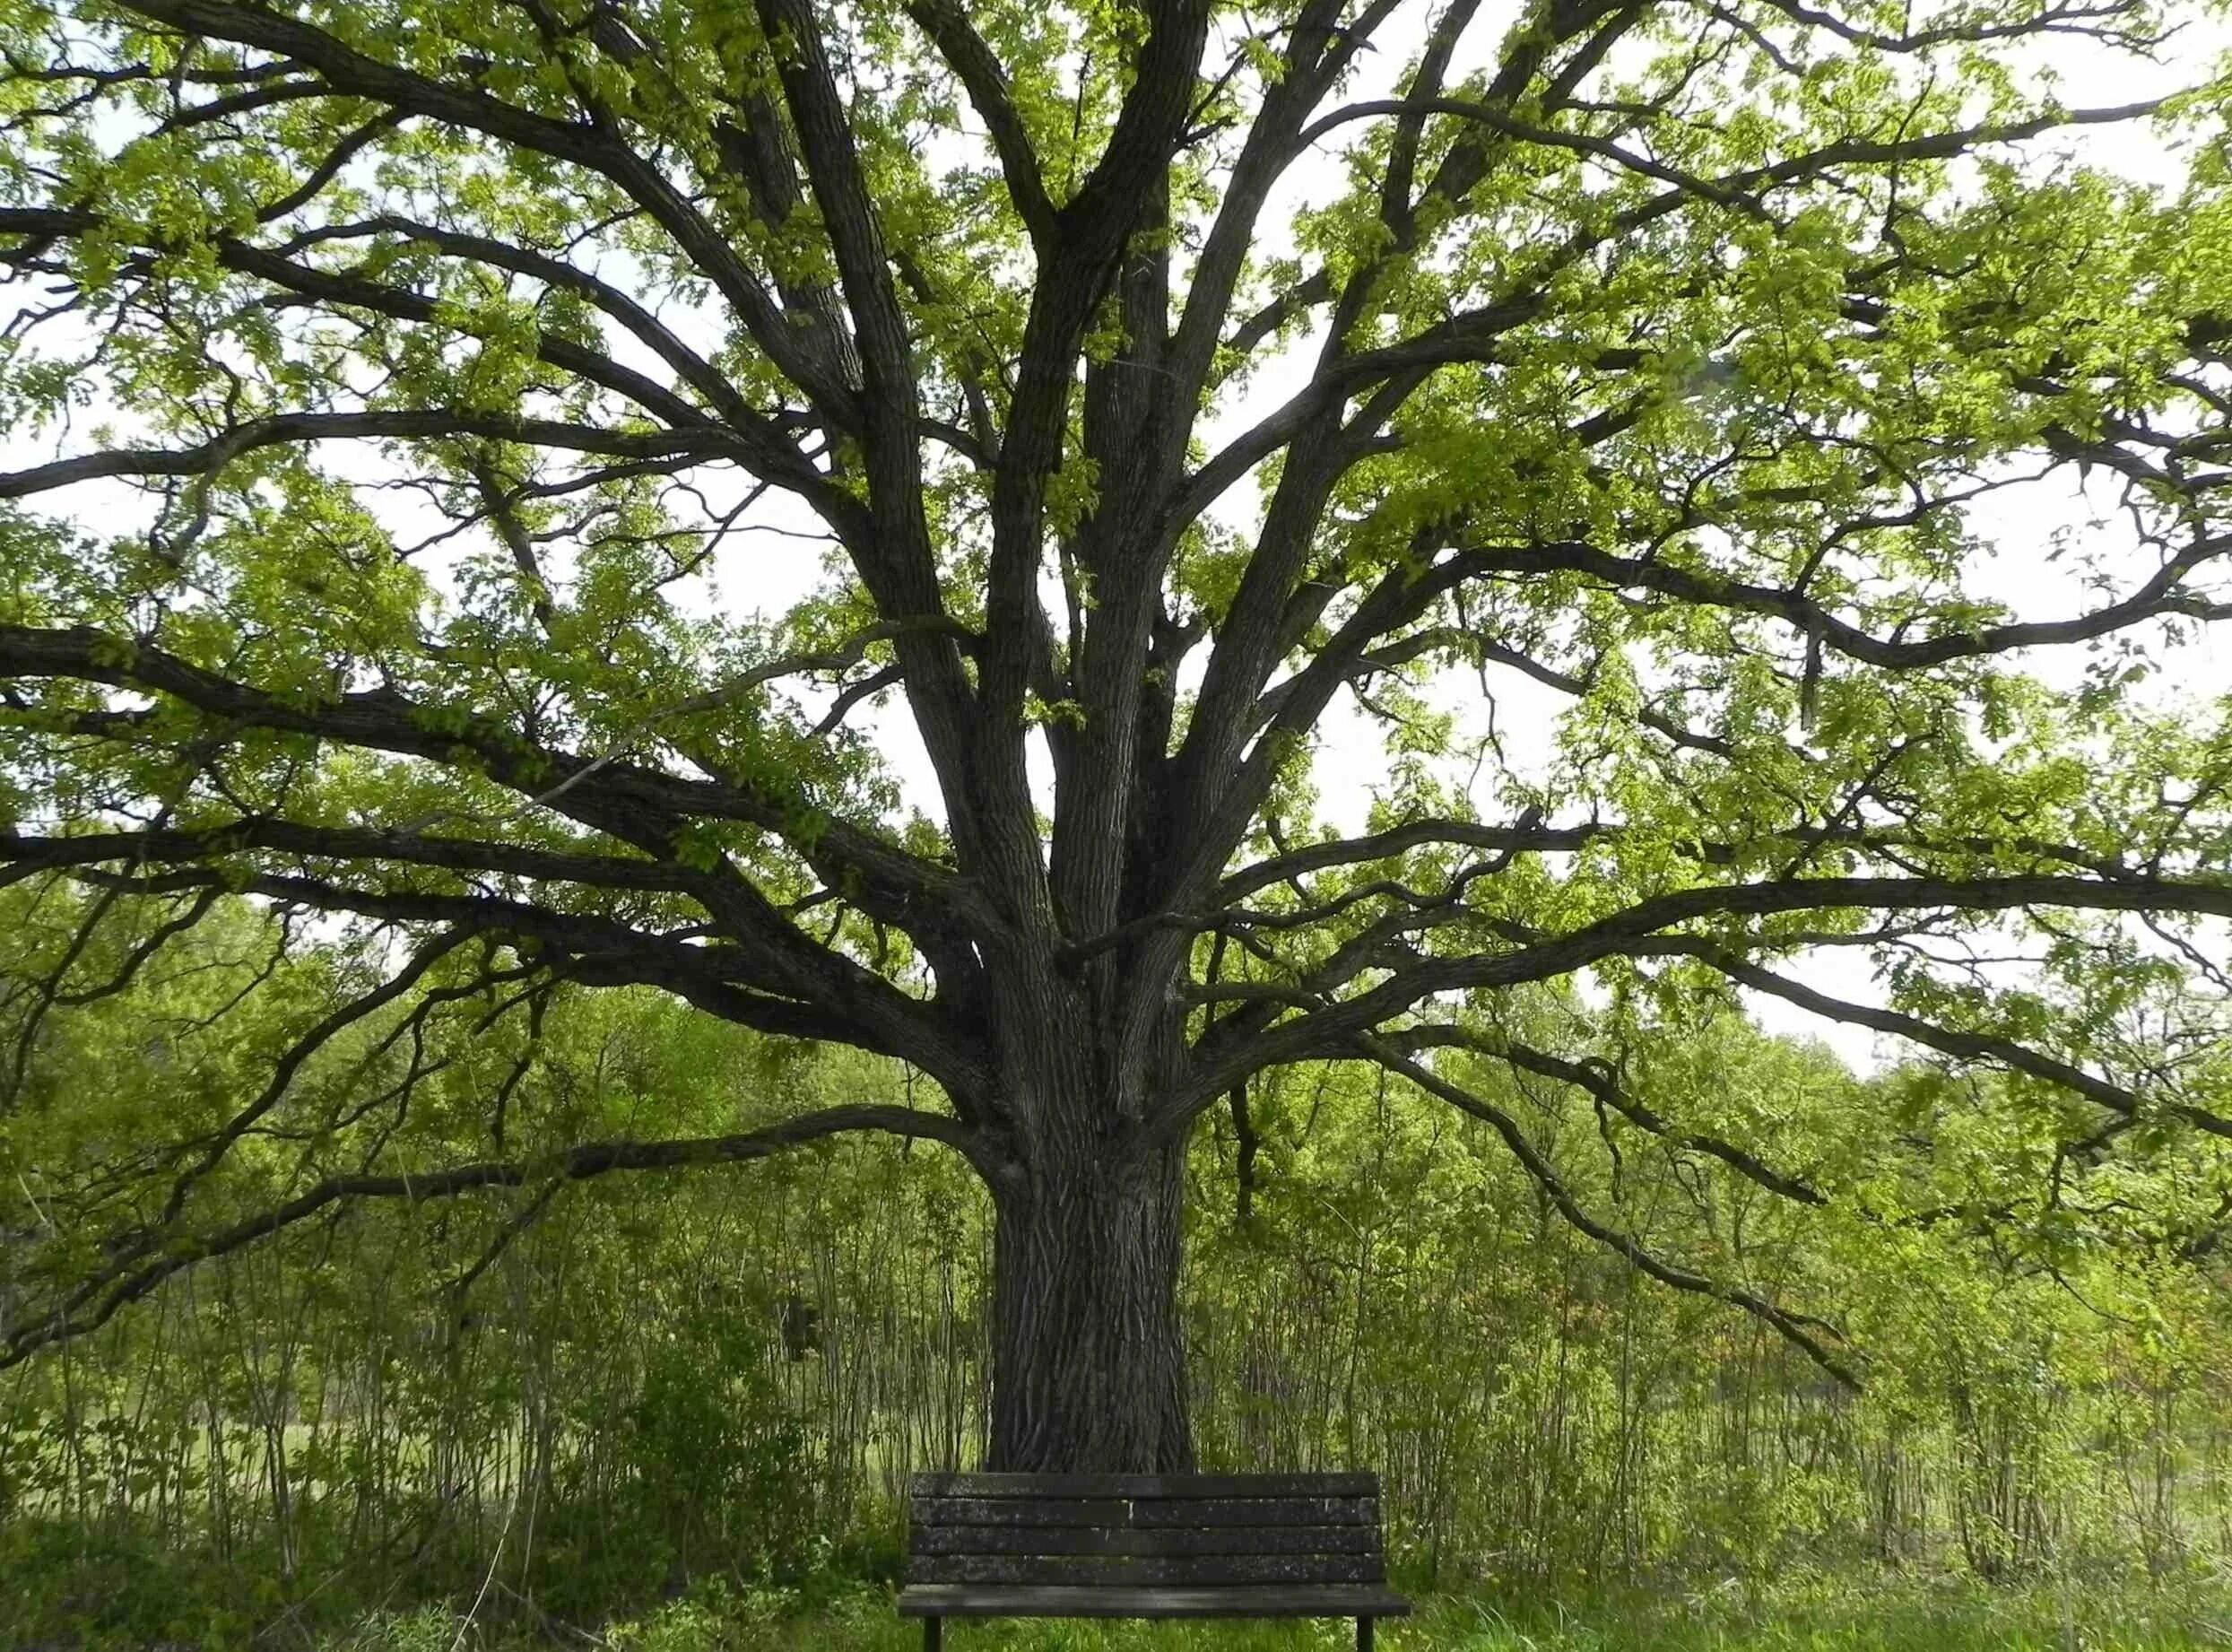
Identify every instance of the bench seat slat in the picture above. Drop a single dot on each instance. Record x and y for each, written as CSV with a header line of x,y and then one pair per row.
x,y
1331,1600
1102,1571
1153,1540
1018,1511
1256,1511
1143,1512
1146,1485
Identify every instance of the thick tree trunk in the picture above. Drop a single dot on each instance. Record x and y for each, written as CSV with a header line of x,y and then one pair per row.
x,y
1089,1360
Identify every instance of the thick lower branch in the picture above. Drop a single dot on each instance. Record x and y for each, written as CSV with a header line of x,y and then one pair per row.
x,y
1598,1081
1640,931
581,1163
1797,1329
1956,1042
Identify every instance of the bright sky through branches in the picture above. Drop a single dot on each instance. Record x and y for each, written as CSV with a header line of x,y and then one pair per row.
x,y
2043,532
1439,536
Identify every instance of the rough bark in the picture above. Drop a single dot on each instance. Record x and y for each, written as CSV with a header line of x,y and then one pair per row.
x,y
1088,1362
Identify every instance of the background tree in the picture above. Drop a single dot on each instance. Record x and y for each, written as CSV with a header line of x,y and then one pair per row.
x,y
1664,356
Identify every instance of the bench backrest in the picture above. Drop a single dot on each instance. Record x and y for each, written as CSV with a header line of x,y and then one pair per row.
x,y
1129,1529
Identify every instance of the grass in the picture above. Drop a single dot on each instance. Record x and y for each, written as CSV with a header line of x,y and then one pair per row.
x,y
1799,1613
61,1590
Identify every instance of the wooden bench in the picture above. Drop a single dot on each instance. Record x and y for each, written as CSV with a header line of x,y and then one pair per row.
x,y
1145,1546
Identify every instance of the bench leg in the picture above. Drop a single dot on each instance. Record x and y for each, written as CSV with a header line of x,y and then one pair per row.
x,y
933,1634
1364,1635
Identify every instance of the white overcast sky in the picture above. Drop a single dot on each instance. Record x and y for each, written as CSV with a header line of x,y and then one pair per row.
x,y
763,573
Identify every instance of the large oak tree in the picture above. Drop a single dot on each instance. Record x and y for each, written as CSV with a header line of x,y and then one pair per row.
x,y
1661,358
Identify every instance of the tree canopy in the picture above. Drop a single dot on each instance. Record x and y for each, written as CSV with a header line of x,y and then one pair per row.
x,y
1163,381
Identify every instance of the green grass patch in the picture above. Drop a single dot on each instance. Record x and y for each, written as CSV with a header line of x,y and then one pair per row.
x,y
1802,1614
66,1590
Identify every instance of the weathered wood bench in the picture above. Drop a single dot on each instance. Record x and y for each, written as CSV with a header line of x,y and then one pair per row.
x,y
1145,1546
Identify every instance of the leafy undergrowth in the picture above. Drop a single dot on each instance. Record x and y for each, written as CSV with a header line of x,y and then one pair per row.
x,y
1797,1614
138,1599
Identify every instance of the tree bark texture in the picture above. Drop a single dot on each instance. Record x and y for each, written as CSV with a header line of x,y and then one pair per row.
x,y
1088,1361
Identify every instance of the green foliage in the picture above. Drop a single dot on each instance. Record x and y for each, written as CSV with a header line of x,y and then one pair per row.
x,y
706,1392
420,829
